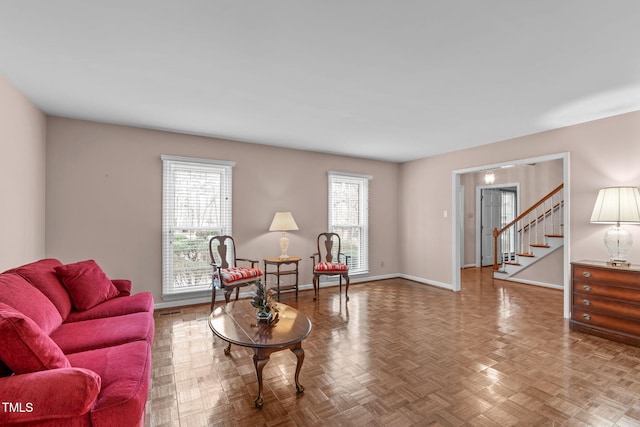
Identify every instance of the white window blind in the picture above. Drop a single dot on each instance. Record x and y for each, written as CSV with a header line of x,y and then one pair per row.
x,y
196,204
349,216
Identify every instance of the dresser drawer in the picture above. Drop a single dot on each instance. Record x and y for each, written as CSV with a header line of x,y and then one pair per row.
x,y
610,323
613,276
605,301
609,291
606,306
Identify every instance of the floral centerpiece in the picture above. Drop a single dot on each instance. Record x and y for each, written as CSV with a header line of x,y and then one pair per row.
x,y
263,301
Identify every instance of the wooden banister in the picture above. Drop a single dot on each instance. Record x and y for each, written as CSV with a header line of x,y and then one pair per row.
x,y
497,233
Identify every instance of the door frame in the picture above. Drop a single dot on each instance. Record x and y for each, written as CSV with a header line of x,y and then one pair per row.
x,y
479,189
457,212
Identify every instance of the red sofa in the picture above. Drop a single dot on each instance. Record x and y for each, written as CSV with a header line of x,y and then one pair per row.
x,y
75,347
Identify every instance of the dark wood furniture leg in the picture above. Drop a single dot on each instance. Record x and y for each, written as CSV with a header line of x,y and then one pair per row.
x,y
278,275
315,287
346,289
299,352
260,358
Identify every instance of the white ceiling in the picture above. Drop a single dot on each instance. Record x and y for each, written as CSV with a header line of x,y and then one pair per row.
x,y
392,80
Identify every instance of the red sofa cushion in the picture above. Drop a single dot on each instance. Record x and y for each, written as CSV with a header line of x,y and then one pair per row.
x,y
25,347
125,371
16,292
87,284
330,266
96,333
140,302
42,275
238,274
58,397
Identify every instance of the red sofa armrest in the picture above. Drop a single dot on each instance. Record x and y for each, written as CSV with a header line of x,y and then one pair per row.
x,y
56,394
123,286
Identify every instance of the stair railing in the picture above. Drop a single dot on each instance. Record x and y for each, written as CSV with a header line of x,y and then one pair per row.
x,y
531,228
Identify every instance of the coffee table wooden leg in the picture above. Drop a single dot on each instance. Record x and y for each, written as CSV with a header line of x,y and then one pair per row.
x,y
228,349
259,361
299,352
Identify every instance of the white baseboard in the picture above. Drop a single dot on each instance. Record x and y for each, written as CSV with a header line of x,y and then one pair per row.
x,y
181,302
247,294
427,282
534,283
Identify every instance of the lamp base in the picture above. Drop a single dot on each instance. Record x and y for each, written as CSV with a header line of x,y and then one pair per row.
x,y
284,245
615,263
618,242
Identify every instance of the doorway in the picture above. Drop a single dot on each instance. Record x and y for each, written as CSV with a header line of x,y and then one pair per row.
x,y
458,232
497,206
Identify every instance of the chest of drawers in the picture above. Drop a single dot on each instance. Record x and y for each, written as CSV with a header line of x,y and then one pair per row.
x,y
605,301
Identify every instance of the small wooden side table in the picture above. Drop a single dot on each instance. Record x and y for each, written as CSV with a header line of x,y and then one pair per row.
x,y
279,272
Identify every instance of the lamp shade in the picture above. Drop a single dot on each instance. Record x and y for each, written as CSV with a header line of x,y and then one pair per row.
x,y
283,221
616,205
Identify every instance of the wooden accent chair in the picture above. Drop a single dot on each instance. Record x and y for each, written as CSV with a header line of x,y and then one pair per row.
x,y
226,271
327,262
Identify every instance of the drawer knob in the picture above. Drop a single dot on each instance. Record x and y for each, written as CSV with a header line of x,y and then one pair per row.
x,y
586,316
587,288
586,302
586,274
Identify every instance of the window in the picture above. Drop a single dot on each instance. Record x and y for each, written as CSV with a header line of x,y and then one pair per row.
x,y
349,217
196,204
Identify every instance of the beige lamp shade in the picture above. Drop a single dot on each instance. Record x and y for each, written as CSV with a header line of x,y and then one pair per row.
x,y
283,221
616,205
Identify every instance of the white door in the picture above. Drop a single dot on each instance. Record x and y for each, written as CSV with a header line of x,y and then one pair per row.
x,y
491,202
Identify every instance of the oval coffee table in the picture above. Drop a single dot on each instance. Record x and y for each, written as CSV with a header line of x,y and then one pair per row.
x,y
236,323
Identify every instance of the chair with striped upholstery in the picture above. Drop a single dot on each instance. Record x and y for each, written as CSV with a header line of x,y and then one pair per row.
x,y
227,274
330,261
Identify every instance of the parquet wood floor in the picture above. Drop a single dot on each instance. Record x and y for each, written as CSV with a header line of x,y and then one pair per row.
x,y
401,353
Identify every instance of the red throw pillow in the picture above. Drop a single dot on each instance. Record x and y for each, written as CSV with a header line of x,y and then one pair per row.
x,y
87,284
25,347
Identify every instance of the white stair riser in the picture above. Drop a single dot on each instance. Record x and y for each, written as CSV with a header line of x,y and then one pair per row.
x,y
538,252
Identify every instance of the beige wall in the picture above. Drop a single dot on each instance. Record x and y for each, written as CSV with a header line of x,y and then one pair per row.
x,y
601,153
22,178
104,190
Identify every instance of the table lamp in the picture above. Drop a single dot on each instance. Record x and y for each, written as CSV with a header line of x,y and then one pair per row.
x,y
617,205
283,221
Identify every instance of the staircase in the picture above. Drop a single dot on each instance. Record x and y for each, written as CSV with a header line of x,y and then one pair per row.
x,y
534,234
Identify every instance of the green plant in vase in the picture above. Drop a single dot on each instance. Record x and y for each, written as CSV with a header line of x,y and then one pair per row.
x,y
263,301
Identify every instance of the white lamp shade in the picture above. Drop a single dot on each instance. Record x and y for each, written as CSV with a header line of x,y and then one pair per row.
x,y
616,205
283,221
